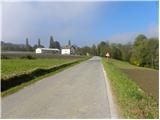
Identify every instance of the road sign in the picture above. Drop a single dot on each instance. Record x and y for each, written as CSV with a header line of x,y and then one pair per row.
x,y
107,54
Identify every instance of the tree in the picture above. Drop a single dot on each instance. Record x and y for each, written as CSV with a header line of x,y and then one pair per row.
x,y
115,51
86,50
38,45
28,47
145,52
126,52
139,40
54,44
27,42
78,51
139,51
51,45
57,45
35,46
69,43
12,47
103,47
39,42
94,50
152,52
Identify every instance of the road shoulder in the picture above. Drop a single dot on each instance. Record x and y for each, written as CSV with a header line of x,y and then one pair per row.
x,y
112,104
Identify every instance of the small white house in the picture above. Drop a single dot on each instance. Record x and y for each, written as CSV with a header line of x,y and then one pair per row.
x,y
46,50
65,51
38,50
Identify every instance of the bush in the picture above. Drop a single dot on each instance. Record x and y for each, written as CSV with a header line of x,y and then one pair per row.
x,y
4,57
28,57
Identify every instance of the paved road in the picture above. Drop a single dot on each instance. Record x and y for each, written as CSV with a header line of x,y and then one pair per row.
x,y
77,92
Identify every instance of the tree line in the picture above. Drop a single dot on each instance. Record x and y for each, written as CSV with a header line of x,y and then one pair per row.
x,y
53,44
143,52
27,46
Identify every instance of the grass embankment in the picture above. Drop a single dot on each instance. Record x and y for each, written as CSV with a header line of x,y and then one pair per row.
x,y
18,73
132,100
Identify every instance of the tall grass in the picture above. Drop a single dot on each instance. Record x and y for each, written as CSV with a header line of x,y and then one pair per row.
x,y
133,101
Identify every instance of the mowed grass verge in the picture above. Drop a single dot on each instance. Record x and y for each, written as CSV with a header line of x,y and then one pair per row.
x,y
27,74
132,100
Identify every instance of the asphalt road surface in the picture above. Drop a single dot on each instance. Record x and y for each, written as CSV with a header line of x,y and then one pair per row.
x,y
77,92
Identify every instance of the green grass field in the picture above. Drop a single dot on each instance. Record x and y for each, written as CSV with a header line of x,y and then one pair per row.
x,y
18,66
133,101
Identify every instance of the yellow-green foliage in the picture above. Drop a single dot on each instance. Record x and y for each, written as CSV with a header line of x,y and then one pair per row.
x,y
134,61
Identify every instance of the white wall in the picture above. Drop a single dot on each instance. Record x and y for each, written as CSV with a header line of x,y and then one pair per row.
x,y
38,50
65,52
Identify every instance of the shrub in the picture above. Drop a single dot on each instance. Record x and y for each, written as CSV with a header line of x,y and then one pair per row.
x,y
4,57
28,57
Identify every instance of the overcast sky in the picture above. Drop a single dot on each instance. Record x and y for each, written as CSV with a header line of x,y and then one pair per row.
x,y
84,23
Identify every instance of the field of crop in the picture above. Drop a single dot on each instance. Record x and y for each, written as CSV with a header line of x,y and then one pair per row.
x,y
133,101
17,66
146,78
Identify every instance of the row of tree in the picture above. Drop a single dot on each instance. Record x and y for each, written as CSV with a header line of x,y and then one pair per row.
x,y
27,46
12,47
143,52
53,44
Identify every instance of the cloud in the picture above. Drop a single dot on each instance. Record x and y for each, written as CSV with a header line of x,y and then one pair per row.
x,y
123,38
63,20
153,31
78,21
129,37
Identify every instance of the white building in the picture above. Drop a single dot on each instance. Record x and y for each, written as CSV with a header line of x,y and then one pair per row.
x,y
65,51
68,50
46,50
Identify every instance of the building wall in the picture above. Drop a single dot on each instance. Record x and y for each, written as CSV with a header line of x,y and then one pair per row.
x,y
65,51
38,50
51,51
